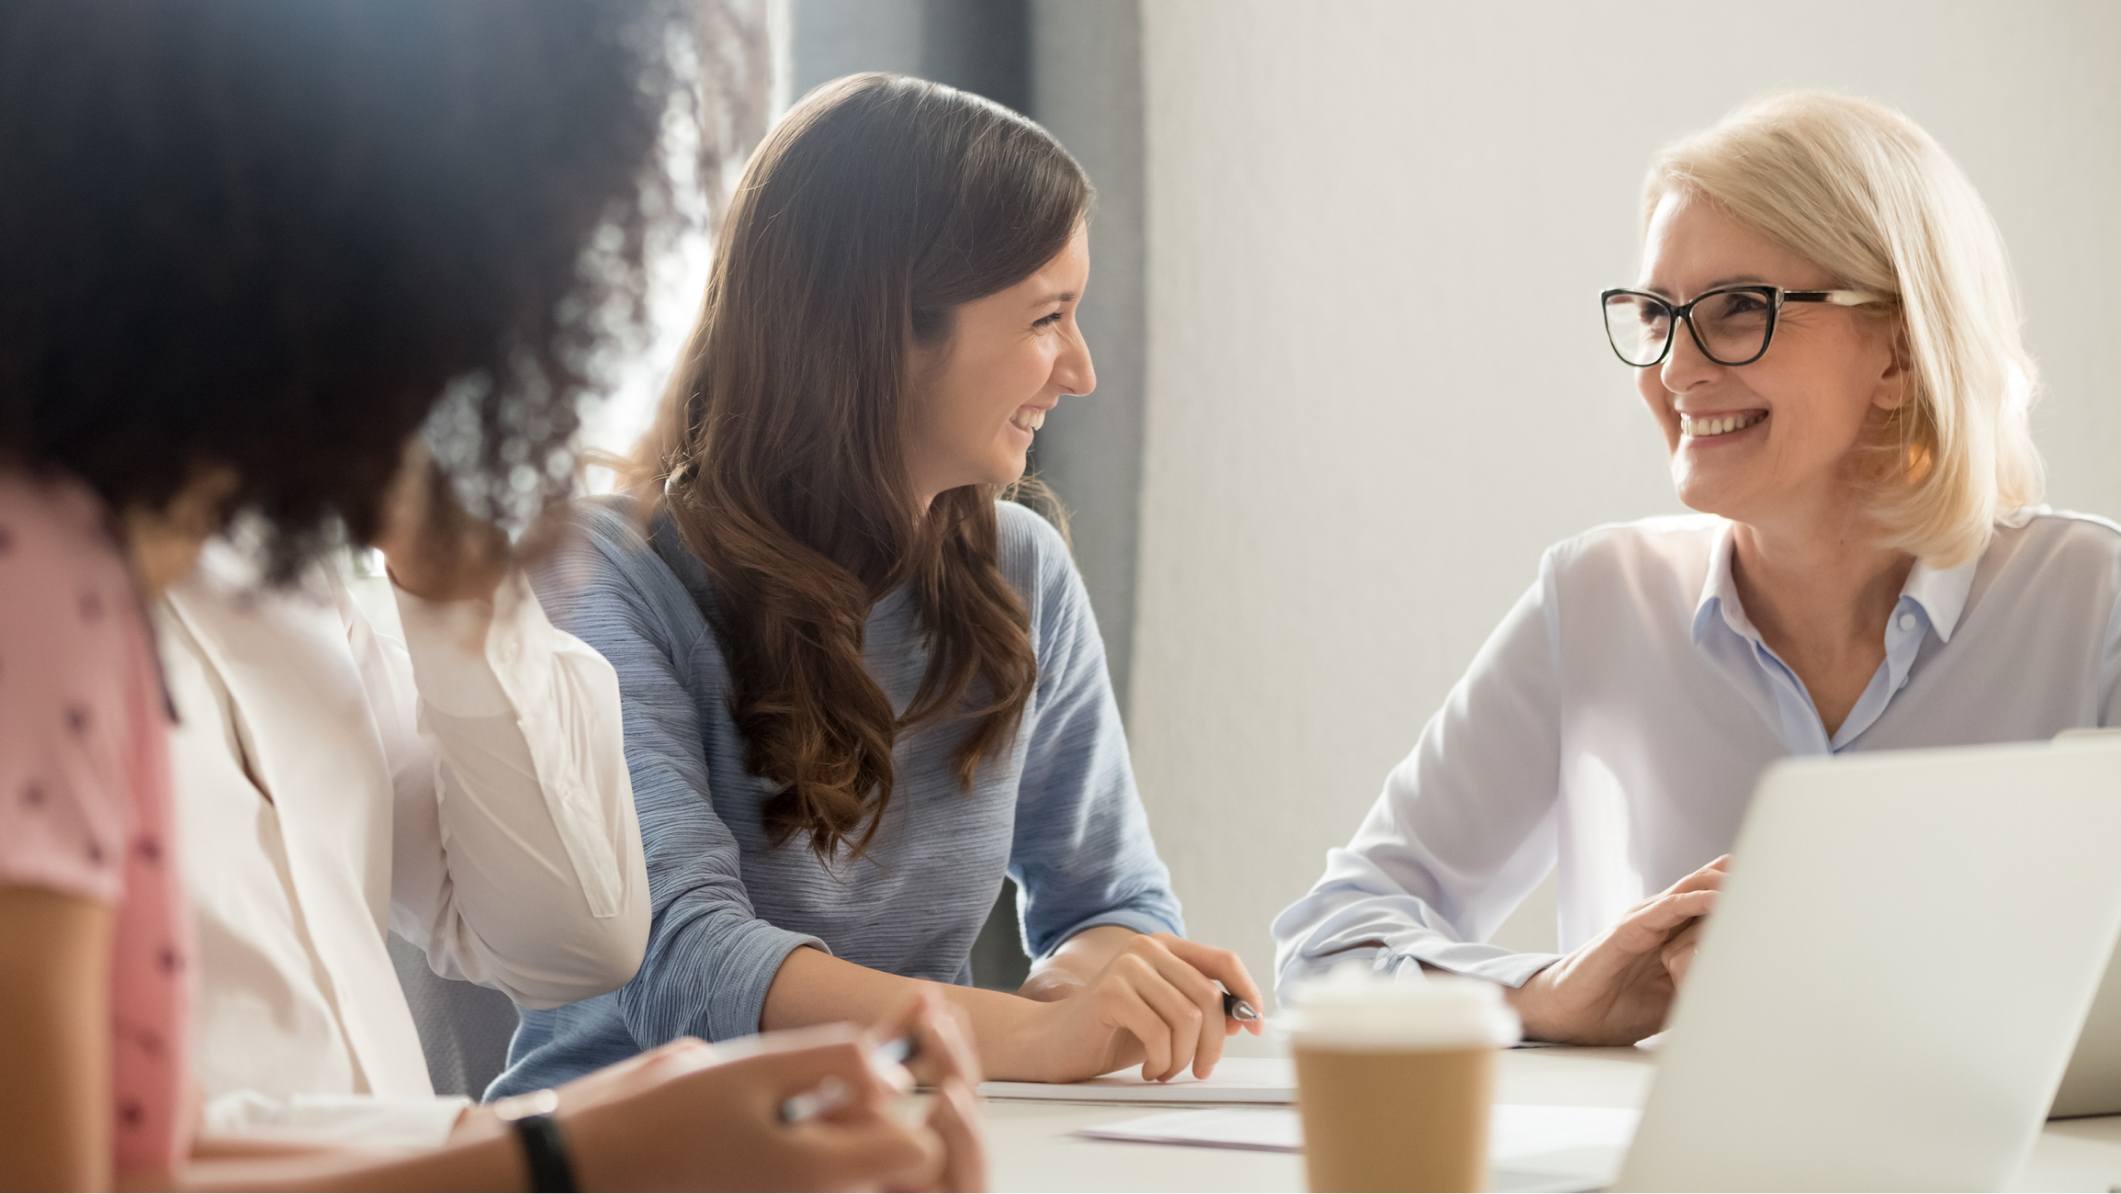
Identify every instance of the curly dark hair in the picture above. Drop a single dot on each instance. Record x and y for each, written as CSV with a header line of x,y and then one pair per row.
x,y
270,236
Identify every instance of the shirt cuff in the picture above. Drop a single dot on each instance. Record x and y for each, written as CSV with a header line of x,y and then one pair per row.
x,y
359,1120
1470,959
461,650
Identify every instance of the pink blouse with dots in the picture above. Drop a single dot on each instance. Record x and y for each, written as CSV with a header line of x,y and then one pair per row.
x,y
85,788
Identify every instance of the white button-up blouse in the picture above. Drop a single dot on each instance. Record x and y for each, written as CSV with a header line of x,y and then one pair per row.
x,y
1612,728
467,787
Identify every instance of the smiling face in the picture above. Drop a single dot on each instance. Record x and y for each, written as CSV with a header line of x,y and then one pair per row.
x,y
1778,440
980,395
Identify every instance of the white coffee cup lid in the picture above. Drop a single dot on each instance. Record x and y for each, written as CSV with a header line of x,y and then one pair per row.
x,y
1355,1007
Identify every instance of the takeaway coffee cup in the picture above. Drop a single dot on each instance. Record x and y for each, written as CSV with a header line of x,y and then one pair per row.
x,y
1394,1078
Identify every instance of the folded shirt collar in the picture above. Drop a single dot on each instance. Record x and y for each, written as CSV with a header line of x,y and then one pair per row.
x,y
1939,593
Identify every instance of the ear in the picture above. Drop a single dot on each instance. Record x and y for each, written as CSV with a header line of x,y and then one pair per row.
x,y
1896,382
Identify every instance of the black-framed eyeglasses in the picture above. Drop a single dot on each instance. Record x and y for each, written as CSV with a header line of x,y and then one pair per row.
x,y
1732,325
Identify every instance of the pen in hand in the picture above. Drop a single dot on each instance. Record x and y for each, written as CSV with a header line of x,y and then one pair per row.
x,y
1238,1010
831,1094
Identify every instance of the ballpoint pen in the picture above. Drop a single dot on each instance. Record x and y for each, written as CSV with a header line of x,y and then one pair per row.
x,y
832,1093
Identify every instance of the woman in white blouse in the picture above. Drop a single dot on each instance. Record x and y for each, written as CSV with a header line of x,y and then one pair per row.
x,y
1826,336
466,787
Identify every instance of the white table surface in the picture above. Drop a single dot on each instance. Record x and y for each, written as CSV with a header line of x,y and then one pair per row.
x,y
1034,1147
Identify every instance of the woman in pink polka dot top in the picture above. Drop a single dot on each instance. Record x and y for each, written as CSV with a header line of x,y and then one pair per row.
x,y
84,821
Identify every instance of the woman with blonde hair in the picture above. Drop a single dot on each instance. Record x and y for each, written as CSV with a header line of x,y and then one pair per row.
x,y
1826,335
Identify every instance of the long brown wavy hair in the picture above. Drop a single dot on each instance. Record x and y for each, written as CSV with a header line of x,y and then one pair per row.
x,y
875,207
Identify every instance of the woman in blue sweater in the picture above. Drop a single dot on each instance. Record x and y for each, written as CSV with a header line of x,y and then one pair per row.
x,y
860,683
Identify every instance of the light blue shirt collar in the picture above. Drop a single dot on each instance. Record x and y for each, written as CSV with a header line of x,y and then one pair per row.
x,y
1931,599
1940,593
1719,593
1937,595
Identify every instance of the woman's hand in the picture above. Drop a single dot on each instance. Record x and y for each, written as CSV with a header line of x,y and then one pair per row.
x,y
1618,989
1678,953
945,1060
694,1116
1155,1002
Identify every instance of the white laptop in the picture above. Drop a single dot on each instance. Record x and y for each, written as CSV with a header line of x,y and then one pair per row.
x,y
1895,976
1885,998
2092,1084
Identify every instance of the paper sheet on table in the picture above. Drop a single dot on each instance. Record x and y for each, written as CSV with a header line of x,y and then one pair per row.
x,y
1235,1080
1516,1131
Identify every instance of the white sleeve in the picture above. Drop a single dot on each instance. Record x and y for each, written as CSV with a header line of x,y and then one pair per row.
x,y
363,1121
517,858
1464,829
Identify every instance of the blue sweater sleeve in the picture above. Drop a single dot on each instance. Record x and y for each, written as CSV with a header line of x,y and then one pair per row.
x,y
1082,855
709,959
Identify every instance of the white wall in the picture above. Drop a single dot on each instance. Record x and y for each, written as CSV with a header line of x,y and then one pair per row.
x,y
1377,382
